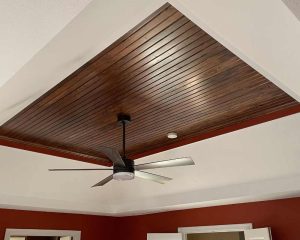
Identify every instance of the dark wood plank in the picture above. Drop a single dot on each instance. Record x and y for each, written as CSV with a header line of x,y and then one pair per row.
x,y
168,74
87,110
154,24
112,90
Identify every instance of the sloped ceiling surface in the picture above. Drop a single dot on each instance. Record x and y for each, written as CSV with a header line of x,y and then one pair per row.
x,y
26,27
256,163
168,74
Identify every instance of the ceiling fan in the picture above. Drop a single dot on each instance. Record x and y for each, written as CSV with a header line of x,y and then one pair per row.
x,y
125,169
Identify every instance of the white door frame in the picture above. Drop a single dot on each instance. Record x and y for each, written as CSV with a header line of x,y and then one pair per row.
x,y
9,232
217,228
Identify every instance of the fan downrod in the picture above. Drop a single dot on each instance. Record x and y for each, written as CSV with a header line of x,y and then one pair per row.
x,y
124,119
126,172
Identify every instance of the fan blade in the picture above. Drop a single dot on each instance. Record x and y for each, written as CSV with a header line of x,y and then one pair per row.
x,y
104,181
166,163
78,169
113,155
152,177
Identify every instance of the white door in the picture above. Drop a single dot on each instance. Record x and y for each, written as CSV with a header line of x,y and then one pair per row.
x,y
164,236
258,234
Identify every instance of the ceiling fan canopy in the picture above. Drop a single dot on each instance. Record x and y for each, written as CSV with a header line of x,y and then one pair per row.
x,y
125,169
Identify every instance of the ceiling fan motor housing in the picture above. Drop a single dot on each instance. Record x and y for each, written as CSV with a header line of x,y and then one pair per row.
x,y
124,173
124,168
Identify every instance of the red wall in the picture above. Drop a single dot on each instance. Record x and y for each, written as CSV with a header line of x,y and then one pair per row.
x,y
283,216
92,227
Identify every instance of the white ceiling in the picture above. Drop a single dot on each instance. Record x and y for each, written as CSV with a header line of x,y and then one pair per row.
x,y
27,26
260,162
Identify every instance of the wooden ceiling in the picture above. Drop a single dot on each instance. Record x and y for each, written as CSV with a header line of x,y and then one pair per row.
x,y
167,73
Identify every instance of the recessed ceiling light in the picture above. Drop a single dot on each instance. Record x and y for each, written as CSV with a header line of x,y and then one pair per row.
x,y
172,135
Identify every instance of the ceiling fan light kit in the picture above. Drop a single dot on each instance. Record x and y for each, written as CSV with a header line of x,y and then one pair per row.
x,y
125,169
123,176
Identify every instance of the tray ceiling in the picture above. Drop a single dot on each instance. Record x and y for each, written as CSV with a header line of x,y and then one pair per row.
x,y
167,73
